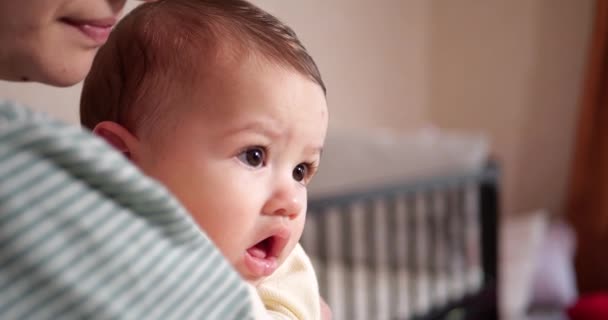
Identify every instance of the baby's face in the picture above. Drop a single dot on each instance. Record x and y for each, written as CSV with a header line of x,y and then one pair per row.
x,y
241,162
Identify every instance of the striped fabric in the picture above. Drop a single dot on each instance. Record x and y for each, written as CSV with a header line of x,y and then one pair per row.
x,y
84,235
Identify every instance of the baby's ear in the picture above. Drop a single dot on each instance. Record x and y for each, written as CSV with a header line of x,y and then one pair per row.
x,y
118,136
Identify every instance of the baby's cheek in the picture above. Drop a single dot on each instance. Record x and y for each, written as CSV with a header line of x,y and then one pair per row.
x,y
299,227
289,249
220,238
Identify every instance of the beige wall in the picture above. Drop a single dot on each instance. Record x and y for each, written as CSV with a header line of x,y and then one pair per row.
x,y
372,54
511,68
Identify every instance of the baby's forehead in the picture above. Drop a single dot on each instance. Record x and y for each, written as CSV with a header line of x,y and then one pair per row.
x,y
164,52
243,106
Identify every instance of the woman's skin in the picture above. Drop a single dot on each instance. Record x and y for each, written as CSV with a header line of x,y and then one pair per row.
x,y
53,41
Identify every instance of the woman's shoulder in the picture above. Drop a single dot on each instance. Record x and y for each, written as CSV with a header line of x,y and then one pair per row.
x,y
11,111
29,136
14,115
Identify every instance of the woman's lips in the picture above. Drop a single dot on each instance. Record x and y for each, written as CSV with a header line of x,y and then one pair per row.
x,y
97,30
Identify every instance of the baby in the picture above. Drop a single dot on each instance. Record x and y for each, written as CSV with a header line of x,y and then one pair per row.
x,y
220,102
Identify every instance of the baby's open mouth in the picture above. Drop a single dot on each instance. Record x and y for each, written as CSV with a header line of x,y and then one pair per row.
x,y
268,248
262,258
262,249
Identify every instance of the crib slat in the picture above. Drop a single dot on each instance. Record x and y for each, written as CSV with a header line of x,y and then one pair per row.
x,y
322,242
370,243
443,286
432,243
441,283
393,254
411,249
489,213
452,240
348,249
462,235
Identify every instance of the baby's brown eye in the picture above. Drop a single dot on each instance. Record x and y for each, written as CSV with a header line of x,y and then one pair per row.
x,y
300,172
253,157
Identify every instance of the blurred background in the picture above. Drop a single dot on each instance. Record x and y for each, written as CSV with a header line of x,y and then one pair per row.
x,y
510,69
509,77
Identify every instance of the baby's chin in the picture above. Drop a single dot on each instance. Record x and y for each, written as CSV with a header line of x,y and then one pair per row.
x,y
255,282
250,279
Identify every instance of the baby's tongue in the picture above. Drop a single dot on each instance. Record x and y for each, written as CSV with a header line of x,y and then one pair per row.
x,y
257,252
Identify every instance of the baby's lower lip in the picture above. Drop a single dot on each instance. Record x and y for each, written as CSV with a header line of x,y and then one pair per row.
x,y
260,267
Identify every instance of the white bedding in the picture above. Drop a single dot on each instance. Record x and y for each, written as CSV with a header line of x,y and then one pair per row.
x,y
358,159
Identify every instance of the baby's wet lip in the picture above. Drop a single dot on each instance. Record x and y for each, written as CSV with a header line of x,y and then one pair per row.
x,y
280,236
259,264
269,247
262,258
279,244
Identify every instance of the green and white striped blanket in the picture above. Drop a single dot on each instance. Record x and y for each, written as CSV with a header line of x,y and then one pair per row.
x,y
85,235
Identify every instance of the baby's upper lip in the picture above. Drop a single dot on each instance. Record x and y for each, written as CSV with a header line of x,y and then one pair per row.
x,y
280,235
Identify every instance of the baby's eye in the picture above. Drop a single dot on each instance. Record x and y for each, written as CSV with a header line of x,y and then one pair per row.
x,y
253,157
300,172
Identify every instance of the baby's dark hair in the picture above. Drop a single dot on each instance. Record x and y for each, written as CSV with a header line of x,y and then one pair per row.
x,y
165,45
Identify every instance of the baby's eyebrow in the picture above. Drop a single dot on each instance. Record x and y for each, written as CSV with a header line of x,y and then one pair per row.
x,y
314,150
261,127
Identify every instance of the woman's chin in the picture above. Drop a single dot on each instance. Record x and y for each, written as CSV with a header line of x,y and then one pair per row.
x,y
64,73
67,78
64,82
